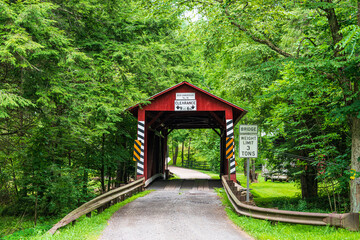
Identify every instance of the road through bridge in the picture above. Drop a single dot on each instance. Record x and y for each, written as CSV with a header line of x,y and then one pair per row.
x,y
178,209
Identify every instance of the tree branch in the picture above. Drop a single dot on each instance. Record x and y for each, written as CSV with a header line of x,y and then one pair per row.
x,y
262,41
333,24
23,58
305,38
266,42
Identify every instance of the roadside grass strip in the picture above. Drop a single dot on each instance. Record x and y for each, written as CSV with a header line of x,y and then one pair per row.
x,y
267,230
84,228
213,175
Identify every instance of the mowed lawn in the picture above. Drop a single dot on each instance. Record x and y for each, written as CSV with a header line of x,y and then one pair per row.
x,y
266,191
270,190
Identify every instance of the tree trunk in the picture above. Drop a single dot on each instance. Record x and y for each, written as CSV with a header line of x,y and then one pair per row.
x,y
118,175
102,177
109,180
182,153
85,181
189,153
355,148
102,170
175,154
14,176
36,209
253,177
309,184
69,157
355,164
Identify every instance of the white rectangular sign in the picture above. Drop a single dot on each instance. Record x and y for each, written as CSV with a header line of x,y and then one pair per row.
x,y
185,105
248,129
180,96
248,145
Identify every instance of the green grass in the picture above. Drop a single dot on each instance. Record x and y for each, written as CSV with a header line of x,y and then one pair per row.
x,y
213,175
174,176
264,189
85,228
265,230
283,195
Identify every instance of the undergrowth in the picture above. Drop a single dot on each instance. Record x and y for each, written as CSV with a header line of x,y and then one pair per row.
x,y
85,228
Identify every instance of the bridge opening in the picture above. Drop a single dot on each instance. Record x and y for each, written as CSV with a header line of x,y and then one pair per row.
x,y
183,106
197,149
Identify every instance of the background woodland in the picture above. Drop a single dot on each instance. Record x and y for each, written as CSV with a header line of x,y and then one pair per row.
x,y
69,69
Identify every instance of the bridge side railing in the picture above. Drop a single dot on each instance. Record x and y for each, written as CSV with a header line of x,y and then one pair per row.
x,y
101,202
349,221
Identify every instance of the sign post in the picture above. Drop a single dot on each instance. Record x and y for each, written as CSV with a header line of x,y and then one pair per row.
x,y
248,148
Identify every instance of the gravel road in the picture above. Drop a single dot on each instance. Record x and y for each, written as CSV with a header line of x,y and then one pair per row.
x,y
172,214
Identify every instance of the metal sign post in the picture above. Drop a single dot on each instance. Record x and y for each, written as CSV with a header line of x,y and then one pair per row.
x,y
248,148
247,179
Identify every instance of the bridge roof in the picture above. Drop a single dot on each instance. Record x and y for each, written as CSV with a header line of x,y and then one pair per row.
x,y
207,106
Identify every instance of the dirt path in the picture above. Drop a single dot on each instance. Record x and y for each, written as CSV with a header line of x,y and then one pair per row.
x,y
181,210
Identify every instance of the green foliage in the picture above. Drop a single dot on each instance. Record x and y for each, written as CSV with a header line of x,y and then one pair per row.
x,y
292,65
207,145
68,71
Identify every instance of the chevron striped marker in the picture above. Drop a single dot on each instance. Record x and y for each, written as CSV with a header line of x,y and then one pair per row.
x,y
137,151
229,148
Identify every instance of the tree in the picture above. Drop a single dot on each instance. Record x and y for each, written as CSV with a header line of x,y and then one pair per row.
x,y
307,33
68,70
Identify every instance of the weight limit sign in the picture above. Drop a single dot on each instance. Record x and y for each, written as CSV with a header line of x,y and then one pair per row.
x,y
248,141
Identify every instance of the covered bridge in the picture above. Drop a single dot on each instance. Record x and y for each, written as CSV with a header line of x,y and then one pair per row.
x,y
183,106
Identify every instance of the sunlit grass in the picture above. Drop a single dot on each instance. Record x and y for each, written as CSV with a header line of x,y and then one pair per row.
x,y
270,189
213,175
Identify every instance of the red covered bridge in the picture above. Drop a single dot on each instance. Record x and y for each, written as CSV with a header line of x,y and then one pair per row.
x,y
183,106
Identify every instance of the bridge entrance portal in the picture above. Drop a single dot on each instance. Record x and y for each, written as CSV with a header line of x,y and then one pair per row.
x,y
183,106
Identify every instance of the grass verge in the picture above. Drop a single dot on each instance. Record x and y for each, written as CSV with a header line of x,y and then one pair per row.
x,y
25,224
213,175
266,230
85,228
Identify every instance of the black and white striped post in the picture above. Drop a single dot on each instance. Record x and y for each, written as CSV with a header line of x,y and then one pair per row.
x,y
141,138
230,147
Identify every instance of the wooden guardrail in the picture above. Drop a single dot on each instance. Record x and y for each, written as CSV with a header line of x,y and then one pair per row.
x,y
101,202
349,221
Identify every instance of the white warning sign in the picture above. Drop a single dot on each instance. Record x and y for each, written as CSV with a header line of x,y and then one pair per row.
x,y
248,146
248,141
185,105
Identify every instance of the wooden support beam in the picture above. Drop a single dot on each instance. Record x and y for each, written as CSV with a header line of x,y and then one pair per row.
x,y
216,132
221,122
155,118
159,134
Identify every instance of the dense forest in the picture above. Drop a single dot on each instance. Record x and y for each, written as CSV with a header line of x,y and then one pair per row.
x,y
69,69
